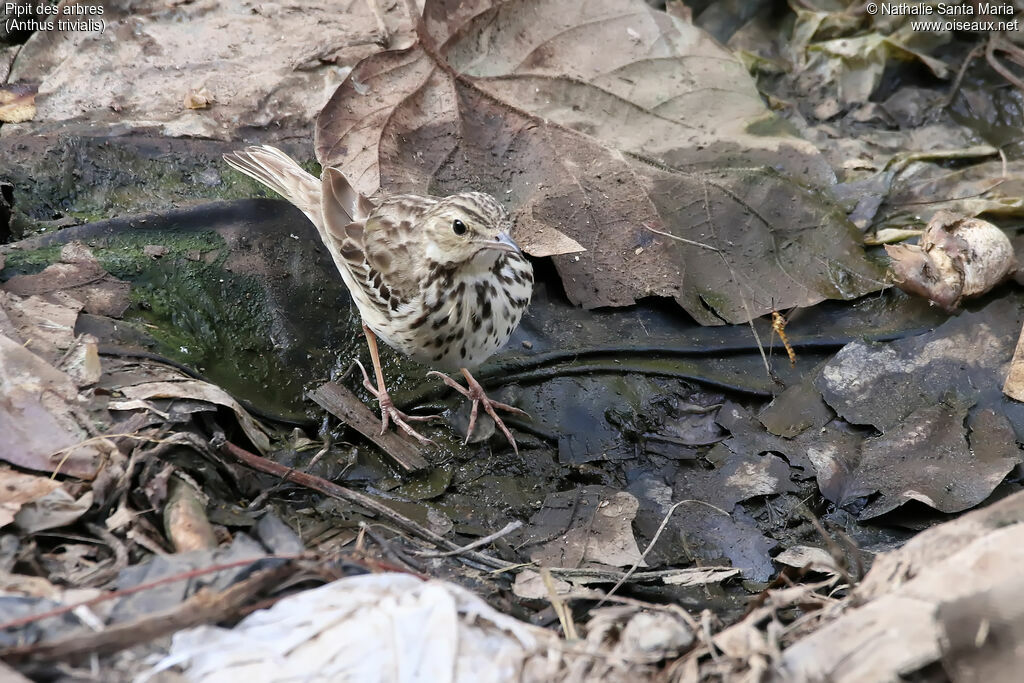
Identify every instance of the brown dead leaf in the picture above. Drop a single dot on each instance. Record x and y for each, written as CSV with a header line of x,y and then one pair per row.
x,y
18,102
80,276
610,122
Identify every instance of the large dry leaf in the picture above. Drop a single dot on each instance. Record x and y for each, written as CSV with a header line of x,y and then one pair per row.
x,y
906,593
346,630
610,122
266,65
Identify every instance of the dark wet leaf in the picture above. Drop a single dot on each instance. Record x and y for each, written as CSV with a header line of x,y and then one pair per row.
x,y
741,476
700,530
796,409
928,458
949,436
881,384
592,119
749,438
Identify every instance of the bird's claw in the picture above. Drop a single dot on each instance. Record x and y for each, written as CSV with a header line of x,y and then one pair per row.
x,y
388,411
475,393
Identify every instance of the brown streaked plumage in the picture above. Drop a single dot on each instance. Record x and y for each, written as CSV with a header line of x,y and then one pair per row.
x,y
438,279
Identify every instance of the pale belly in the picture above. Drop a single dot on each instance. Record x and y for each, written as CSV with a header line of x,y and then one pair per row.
x,y
465,327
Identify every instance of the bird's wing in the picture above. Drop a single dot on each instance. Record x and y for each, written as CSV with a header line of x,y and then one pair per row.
x,y
342,204
393,247
380,251
330,202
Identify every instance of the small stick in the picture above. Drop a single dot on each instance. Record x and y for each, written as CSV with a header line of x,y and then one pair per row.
x,y
346,406
58,611
657,535
509,528
349,495
203,607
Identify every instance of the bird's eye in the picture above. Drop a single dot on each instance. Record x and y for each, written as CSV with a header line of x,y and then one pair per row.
x,y
458,227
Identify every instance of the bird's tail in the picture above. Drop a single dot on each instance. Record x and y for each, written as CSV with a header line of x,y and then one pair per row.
x,y
280,173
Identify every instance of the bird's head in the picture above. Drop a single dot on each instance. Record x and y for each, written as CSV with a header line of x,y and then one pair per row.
x,y
470,227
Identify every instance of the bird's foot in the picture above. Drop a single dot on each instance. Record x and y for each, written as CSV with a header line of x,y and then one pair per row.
x,y
388,411
475,393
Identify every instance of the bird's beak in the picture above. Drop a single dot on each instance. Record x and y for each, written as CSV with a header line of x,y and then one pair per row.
x,y
504,242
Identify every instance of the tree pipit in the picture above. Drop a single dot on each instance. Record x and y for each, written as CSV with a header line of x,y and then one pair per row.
x,y
438,279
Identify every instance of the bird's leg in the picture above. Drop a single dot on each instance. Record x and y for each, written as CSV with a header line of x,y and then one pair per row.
x,y
387,407
475,393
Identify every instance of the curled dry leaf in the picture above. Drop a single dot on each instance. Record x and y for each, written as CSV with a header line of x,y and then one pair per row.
x,y
198,98
958,257
202,391
611,122
17,102
19,490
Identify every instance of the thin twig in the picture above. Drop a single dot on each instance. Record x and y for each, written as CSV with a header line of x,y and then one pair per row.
x,y
58,611
204,607
508,528
990,56
349,495
657,535
955,88
392,554
682,239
